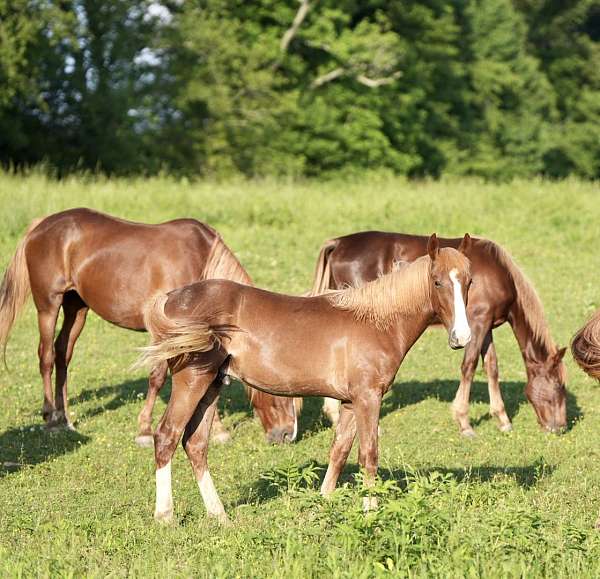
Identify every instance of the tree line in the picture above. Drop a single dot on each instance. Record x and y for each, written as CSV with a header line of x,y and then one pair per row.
x,y
495,88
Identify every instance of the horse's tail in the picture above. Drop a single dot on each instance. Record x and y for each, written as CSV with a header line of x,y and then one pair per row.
x,y
585,347
223,264
15,288
178,338
323,269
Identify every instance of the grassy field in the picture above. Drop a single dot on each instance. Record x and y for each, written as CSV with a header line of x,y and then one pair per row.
x,y
523,504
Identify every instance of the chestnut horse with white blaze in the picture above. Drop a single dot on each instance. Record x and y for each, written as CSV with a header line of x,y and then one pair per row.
x,y
80,259
585,347
347,344
500,293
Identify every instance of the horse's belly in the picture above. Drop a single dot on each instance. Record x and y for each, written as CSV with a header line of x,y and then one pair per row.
x,y
123,312
291,371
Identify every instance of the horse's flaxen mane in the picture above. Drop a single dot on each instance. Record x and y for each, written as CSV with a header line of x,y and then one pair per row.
x,y
527,298
404,291
223,264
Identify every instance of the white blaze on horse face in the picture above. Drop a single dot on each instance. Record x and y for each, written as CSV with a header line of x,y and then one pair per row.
x,y
460,328
211,499
164,496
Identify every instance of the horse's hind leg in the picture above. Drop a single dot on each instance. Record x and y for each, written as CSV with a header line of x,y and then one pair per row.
x,y
189,387
490,363
47,315
195,443
75,312
158,377
345,433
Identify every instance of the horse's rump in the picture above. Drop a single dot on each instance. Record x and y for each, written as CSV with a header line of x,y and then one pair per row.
x,y
585,347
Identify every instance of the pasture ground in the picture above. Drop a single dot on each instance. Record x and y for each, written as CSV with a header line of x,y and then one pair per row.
x,y
520,504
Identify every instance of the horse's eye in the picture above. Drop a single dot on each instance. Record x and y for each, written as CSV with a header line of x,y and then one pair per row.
x,y
438,283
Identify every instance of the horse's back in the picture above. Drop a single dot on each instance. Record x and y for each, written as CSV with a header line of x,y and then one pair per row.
x,y
271,335
91,222
362,257
113,264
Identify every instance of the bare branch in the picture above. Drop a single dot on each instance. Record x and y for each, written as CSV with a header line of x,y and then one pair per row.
x,y
297,22
332,75
370,82
375,82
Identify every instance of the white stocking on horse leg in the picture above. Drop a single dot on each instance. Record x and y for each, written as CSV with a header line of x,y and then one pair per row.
x,y
212,502
164,497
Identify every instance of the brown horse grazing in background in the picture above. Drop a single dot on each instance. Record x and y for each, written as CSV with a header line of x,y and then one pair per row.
x,y
585,347
81,259
500,292
347,344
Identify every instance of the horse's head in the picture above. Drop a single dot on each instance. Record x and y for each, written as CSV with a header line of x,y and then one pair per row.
x,y
546,391
450,277
278,415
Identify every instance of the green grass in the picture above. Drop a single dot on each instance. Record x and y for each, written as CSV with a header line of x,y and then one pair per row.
x,y
523,504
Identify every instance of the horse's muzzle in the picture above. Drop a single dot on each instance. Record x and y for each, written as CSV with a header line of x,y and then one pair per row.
x,y
458,342
553,429
280,436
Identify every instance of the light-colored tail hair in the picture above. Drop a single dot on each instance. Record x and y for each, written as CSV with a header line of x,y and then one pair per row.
x,y
223,264
15,288
178,338
322,278
585,347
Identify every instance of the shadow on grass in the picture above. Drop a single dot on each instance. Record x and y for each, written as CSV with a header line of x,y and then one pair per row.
x,y
404,394
524,476
31,445
233,397
513,394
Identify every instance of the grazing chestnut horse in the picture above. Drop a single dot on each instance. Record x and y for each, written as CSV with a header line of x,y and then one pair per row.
x,y
586,347
81,259
347,344
500,292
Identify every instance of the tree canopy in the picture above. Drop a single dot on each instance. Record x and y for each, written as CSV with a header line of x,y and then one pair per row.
x,y
495,88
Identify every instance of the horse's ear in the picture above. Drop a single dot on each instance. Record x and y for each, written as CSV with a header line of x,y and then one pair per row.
x,y
465,245
560,354
433,246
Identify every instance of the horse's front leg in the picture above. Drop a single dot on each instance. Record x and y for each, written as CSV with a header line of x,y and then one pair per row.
x,y
331,409
340,448
460,405
219,432
366,409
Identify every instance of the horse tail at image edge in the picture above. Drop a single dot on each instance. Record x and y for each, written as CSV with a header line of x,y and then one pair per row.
x,y
15,288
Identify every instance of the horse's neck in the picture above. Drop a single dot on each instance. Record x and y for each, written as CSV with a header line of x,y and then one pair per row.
x,y
407,330
532,350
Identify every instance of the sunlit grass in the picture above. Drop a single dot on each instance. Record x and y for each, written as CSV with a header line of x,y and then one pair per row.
x,y
522,504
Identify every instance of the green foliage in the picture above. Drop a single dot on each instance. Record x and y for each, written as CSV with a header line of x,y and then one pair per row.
x,y
496,88
290,477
